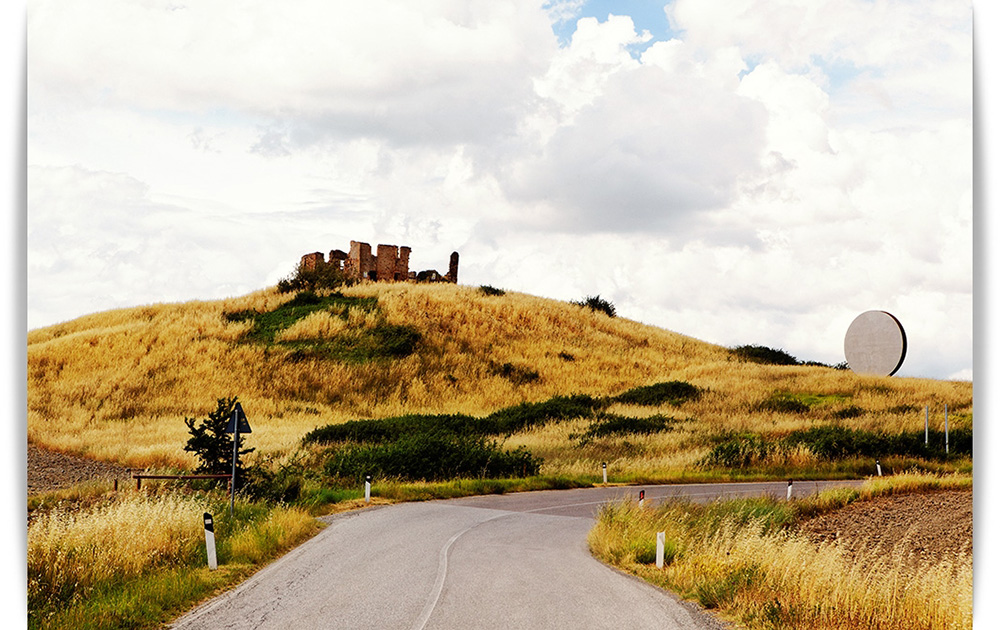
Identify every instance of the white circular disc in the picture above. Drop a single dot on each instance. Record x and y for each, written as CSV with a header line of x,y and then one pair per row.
x,y
875,344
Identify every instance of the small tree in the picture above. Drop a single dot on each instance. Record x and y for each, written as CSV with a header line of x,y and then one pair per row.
x,y
322,276
597,304
212,445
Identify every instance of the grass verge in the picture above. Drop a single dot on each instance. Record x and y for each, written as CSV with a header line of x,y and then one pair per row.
x,y
745,559
136,560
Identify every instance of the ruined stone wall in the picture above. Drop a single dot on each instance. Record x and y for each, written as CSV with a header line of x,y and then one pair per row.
x,y
403,264
338,258
309,262
385,262
390,263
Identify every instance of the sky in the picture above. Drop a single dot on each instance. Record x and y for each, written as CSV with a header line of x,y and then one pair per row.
x,y
740,171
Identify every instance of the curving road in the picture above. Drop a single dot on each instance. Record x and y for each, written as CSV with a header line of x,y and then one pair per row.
x,y
498,561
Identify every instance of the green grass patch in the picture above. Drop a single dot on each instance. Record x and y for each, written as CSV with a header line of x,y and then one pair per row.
x,y
719,591
149,602
383,341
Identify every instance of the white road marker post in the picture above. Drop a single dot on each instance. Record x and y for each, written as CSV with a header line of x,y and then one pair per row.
x,y
368,488
642,497
660,539
788,497
927,425
210,542
604,469
946,429
878,467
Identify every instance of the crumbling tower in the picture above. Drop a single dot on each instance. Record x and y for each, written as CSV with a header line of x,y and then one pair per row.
x,y
403,264
360,263
453,269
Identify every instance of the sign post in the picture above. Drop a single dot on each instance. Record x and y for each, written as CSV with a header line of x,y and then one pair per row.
x,y
238,423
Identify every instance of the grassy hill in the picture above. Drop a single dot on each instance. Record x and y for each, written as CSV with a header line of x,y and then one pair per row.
x,y
117,385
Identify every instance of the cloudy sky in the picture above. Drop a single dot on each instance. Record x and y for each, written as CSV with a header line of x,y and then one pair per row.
x,y
740,171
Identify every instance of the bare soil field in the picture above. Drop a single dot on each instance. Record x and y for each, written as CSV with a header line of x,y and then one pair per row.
x,y
48,470
931,527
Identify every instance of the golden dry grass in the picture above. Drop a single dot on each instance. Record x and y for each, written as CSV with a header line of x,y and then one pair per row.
x,y
74,549
117,385
769,579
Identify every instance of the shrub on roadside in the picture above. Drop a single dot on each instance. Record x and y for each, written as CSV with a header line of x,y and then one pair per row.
x,y
431,457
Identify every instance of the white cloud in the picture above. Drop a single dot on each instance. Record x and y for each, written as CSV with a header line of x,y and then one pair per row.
x,y
446,71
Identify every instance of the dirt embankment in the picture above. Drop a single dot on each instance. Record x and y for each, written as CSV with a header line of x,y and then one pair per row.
x,y
930,527
48,470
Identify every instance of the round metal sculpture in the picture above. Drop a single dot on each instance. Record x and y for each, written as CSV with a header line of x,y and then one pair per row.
x,y
875,344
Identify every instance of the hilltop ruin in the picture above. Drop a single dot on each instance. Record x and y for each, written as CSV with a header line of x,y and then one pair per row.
x,y
388,264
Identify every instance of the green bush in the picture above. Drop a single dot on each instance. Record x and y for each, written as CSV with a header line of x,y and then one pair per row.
x,y
671,392
432,457
612,424
835,442
742,450
852,411
281,486
502,422
212,445
491,291
781,403
527,415
763,354
324,276
597,304
390,429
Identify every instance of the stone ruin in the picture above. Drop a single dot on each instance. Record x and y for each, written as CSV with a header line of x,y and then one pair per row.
x,y
388,264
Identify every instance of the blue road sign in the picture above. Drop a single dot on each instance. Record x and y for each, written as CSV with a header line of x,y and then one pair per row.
x,y
238,420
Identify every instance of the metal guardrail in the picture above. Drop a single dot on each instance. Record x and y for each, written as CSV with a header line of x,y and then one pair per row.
x,y
139,477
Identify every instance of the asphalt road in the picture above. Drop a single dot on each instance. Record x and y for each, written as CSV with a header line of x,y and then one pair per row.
x,y
500,561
